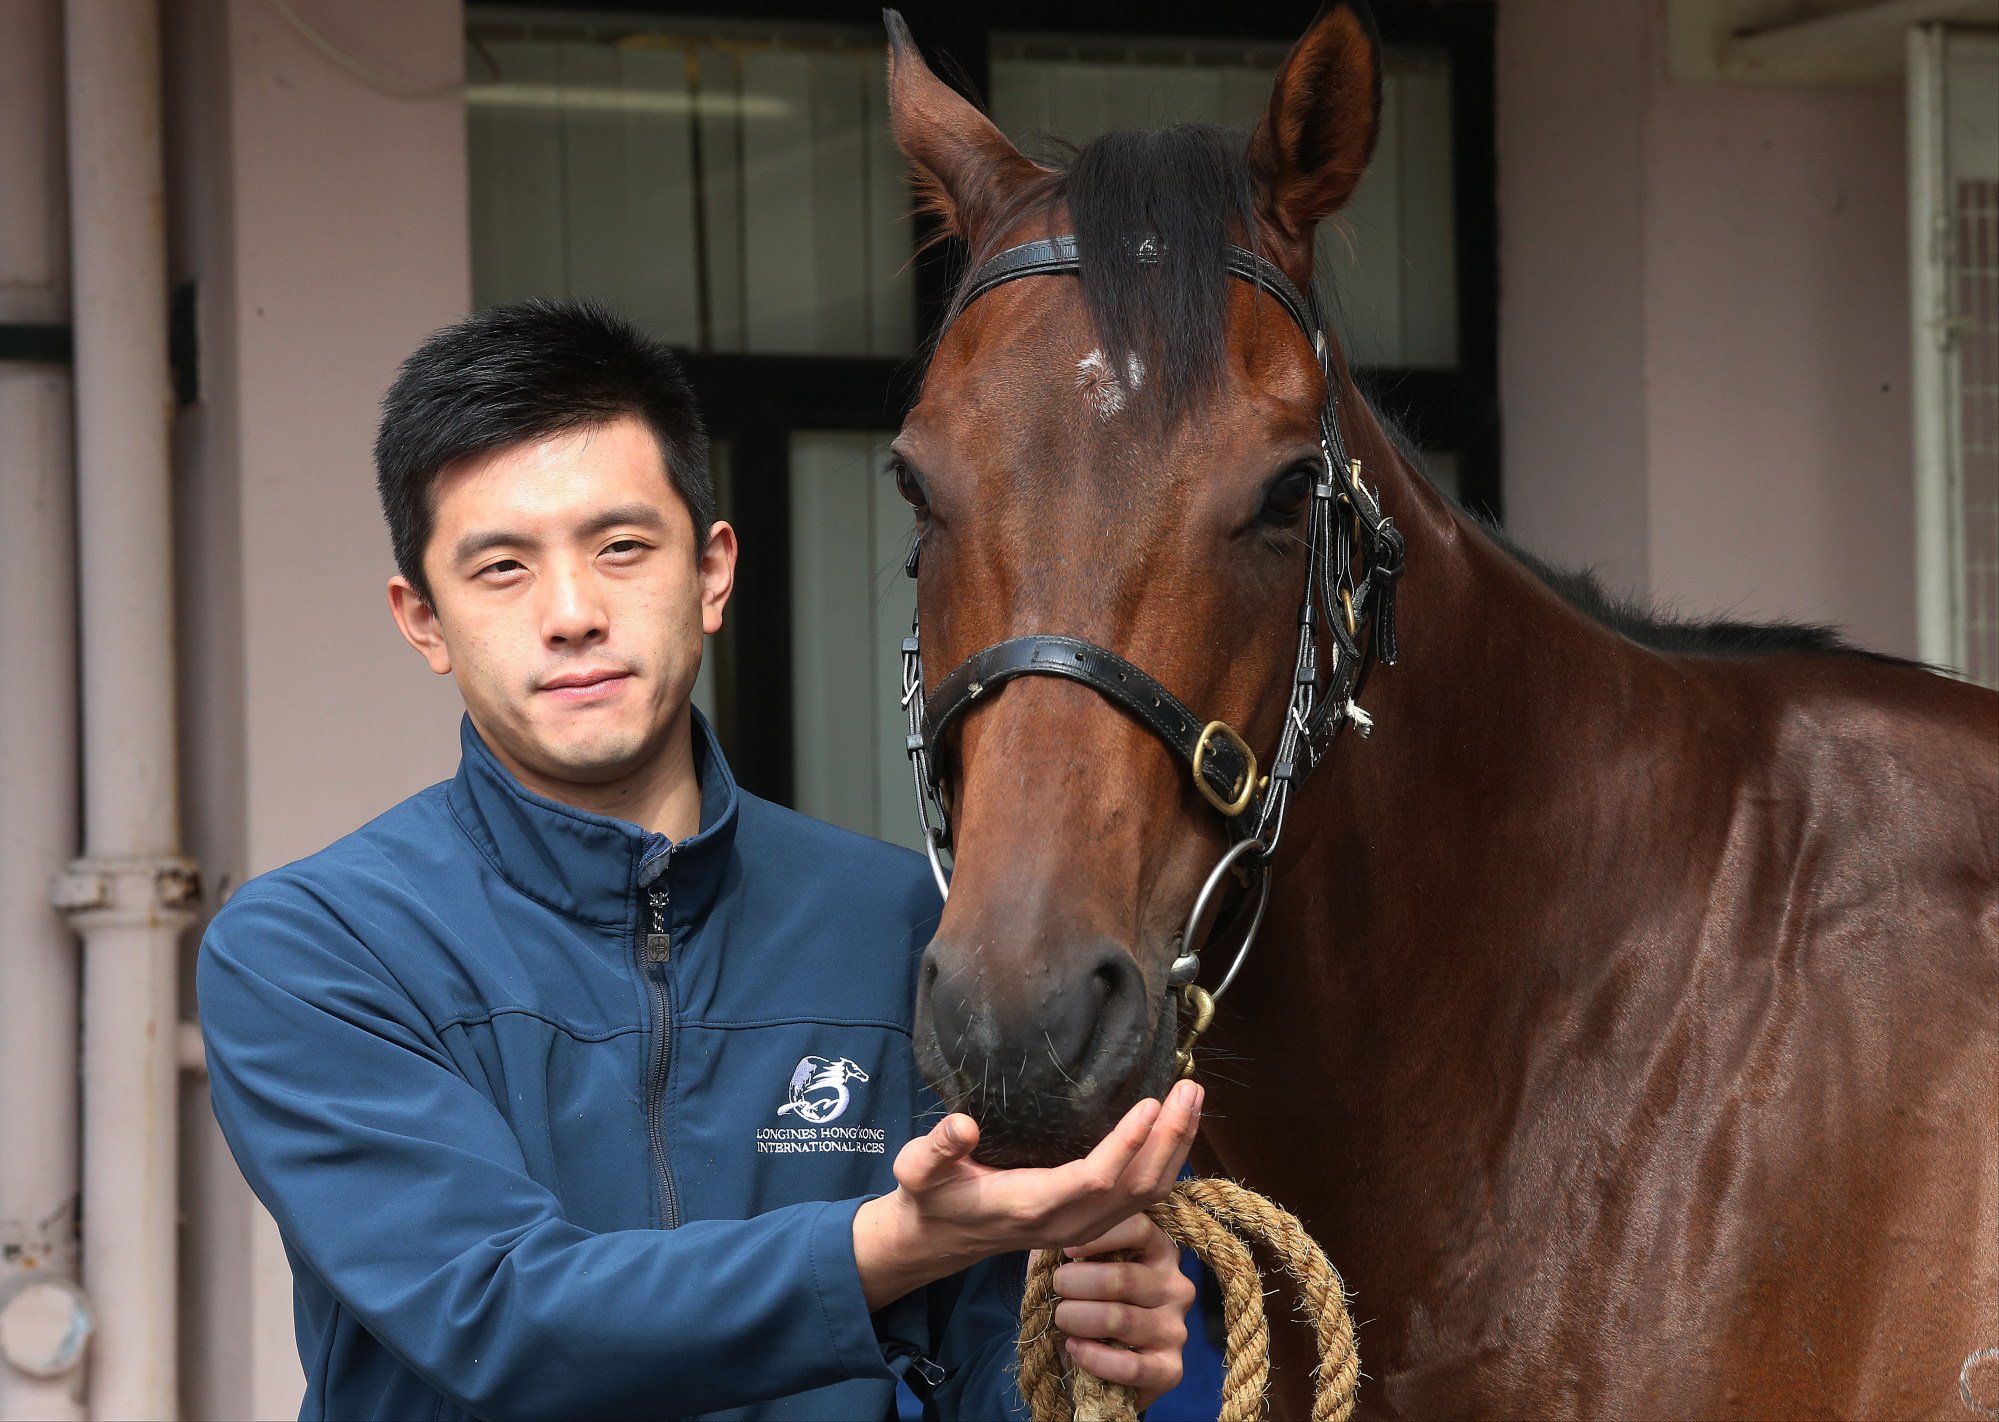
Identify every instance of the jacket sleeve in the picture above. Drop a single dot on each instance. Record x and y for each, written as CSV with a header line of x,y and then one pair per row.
x,y
403,1189
978,1333
957,1341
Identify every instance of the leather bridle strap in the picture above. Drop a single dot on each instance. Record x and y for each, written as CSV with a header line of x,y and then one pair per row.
x,y
1060,256
1224,767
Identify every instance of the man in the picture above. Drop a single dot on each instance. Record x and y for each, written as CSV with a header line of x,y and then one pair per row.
x,y
573,1083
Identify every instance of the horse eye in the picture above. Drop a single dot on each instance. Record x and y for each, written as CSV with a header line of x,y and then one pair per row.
x,y
907,485
1288,496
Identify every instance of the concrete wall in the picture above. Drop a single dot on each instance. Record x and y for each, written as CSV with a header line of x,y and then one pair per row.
x,y
1704,326
324,224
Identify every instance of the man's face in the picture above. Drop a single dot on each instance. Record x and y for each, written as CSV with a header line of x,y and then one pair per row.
x,y
569,602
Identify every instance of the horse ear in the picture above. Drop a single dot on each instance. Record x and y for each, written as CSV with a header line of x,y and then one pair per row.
x,y
962,164
1313,143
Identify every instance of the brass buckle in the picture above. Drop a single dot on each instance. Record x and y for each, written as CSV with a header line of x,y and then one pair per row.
x,y
1246,790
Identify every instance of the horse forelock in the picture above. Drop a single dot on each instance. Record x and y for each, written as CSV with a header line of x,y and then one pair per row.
x,y
1189,189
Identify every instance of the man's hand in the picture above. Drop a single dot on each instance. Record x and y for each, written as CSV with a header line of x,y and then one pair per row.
x,y
1126,1318
949,1211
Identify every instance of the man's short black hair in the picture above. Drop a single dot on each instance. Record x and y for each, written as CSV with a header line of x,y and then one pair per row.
x,y
523,372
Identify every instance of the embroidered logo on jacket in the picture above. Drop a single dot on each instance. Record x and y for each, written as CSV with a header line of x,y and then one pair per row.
x,y
819,1094
819,1089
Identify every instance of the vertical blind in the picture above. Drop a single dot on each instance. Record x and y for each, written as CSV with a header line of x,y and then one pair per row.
x,y
851,607
729,191
735,189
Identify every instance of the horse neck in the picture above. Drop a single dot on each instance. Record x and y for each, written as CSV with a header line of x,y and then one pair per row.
x,y
1515,749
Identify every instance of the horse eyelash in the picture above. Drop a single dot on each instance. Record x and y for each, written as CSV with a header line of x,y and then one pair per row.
x,y
1284,541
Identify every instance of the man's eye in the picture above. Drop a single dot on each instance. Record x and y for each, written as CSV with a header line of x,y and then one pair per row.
x,y
503,567
625,547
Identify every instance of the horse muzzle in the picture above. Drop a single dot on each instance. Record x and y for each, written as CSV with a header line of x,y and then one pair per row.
x,y
1046,1055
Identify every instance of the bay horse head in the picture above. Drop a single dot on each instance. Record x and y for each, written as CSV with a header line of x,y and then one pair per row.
x,y
1138,520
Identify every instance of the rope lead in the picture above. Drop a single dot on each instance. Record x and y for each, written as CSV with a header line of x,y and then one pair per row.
x,y
1218,1220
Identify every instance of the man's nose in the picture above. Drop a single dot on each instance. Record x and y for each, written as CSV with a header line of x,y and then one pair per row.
x,y
573,610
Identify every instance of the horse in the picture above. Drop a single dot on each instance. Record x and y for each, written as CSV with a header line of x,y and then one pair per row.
x,y
1625,1015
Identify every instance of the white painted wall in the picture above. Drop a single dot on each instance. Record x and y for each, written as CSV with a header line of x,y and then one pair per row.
x,y
1703,326
325,225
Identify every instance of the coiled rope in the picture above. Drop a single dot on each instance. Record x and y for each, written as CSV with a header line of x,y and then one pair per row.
x,y
1214,1218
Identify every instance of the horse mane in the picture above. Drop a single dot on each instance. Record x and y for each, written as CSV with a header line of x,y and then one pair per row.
x,y
1716,636
1187,186
1631,617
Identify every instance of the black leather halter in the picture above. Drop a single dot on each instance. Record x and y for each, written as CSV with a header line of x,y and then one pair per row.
x,y
1354,556
1223,765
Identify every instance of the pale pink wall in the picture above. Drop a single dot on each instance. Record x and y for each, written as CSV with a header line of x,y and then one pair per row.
x,y
351,244
1571,84
1704,326
1777,299
325,225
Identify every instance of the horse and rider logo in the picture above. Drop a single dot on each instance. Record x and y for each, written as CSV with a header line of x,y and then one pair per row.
x,y
819,1089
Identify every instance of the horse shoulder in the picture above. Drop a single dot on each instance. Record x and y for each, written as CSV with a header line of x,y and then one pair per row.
x,y
1843,1102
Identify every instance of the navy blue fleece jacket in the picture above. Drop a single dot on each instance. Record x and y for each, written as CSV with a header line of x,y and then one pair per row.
x,y
561,1120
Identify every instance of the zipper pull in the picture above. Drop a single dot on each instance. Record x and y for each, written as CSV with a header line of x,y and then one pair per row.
x,y
659,943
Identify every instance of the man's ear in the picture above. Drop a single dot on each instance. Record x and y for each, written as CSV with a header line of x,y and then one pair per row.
x,y
418,623
718,575
962,165
1313,143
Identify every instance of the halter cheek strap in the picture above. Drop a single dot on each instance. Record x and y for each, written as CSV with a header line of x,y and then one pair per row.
x,y
1354,557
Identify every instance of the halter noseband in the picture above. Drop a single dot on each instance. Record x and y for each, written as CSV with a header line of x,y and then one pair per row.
x,y
1351,567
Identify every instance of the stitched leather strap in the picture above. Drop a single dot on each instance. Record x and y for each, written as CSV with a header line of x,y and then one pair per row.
x,y
1223,765
1052,256
1059,256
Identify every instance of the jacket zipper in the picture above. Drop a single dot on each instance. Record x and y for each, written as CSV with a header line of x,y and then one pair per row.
x,y
655,947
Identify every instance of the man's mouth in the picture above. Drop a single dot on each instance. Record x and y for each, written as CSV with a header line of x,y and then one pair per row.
x,y
594,685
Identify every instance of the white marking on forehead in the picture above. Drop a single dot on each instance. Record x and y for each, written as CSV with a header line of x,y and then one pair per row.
x,y
1134,370
1097,378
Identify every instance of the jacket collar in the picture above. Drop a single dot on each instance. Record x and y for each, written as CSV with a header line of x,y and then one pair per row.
x,y
582,864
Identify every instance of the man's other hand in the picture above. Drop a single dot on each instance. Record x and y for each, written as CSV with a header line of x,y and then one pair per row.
x,y
949,1211
1126,1318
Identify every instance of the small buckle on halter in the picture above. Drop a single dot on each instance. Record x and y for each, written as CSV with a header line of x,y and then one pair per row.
x,y
1245,789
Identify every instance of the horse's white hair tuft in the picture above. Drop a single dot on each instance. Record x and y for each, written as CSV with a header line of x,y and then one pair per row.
x,y
1098,379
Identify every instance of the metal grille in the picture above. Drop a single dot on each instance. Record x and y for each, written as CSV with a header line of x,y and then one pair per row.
x,y
1974,286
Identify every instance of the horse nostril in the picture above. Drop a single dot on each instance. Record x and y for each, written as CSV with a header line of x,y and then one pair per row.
x,y
1110,1039
1105,980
